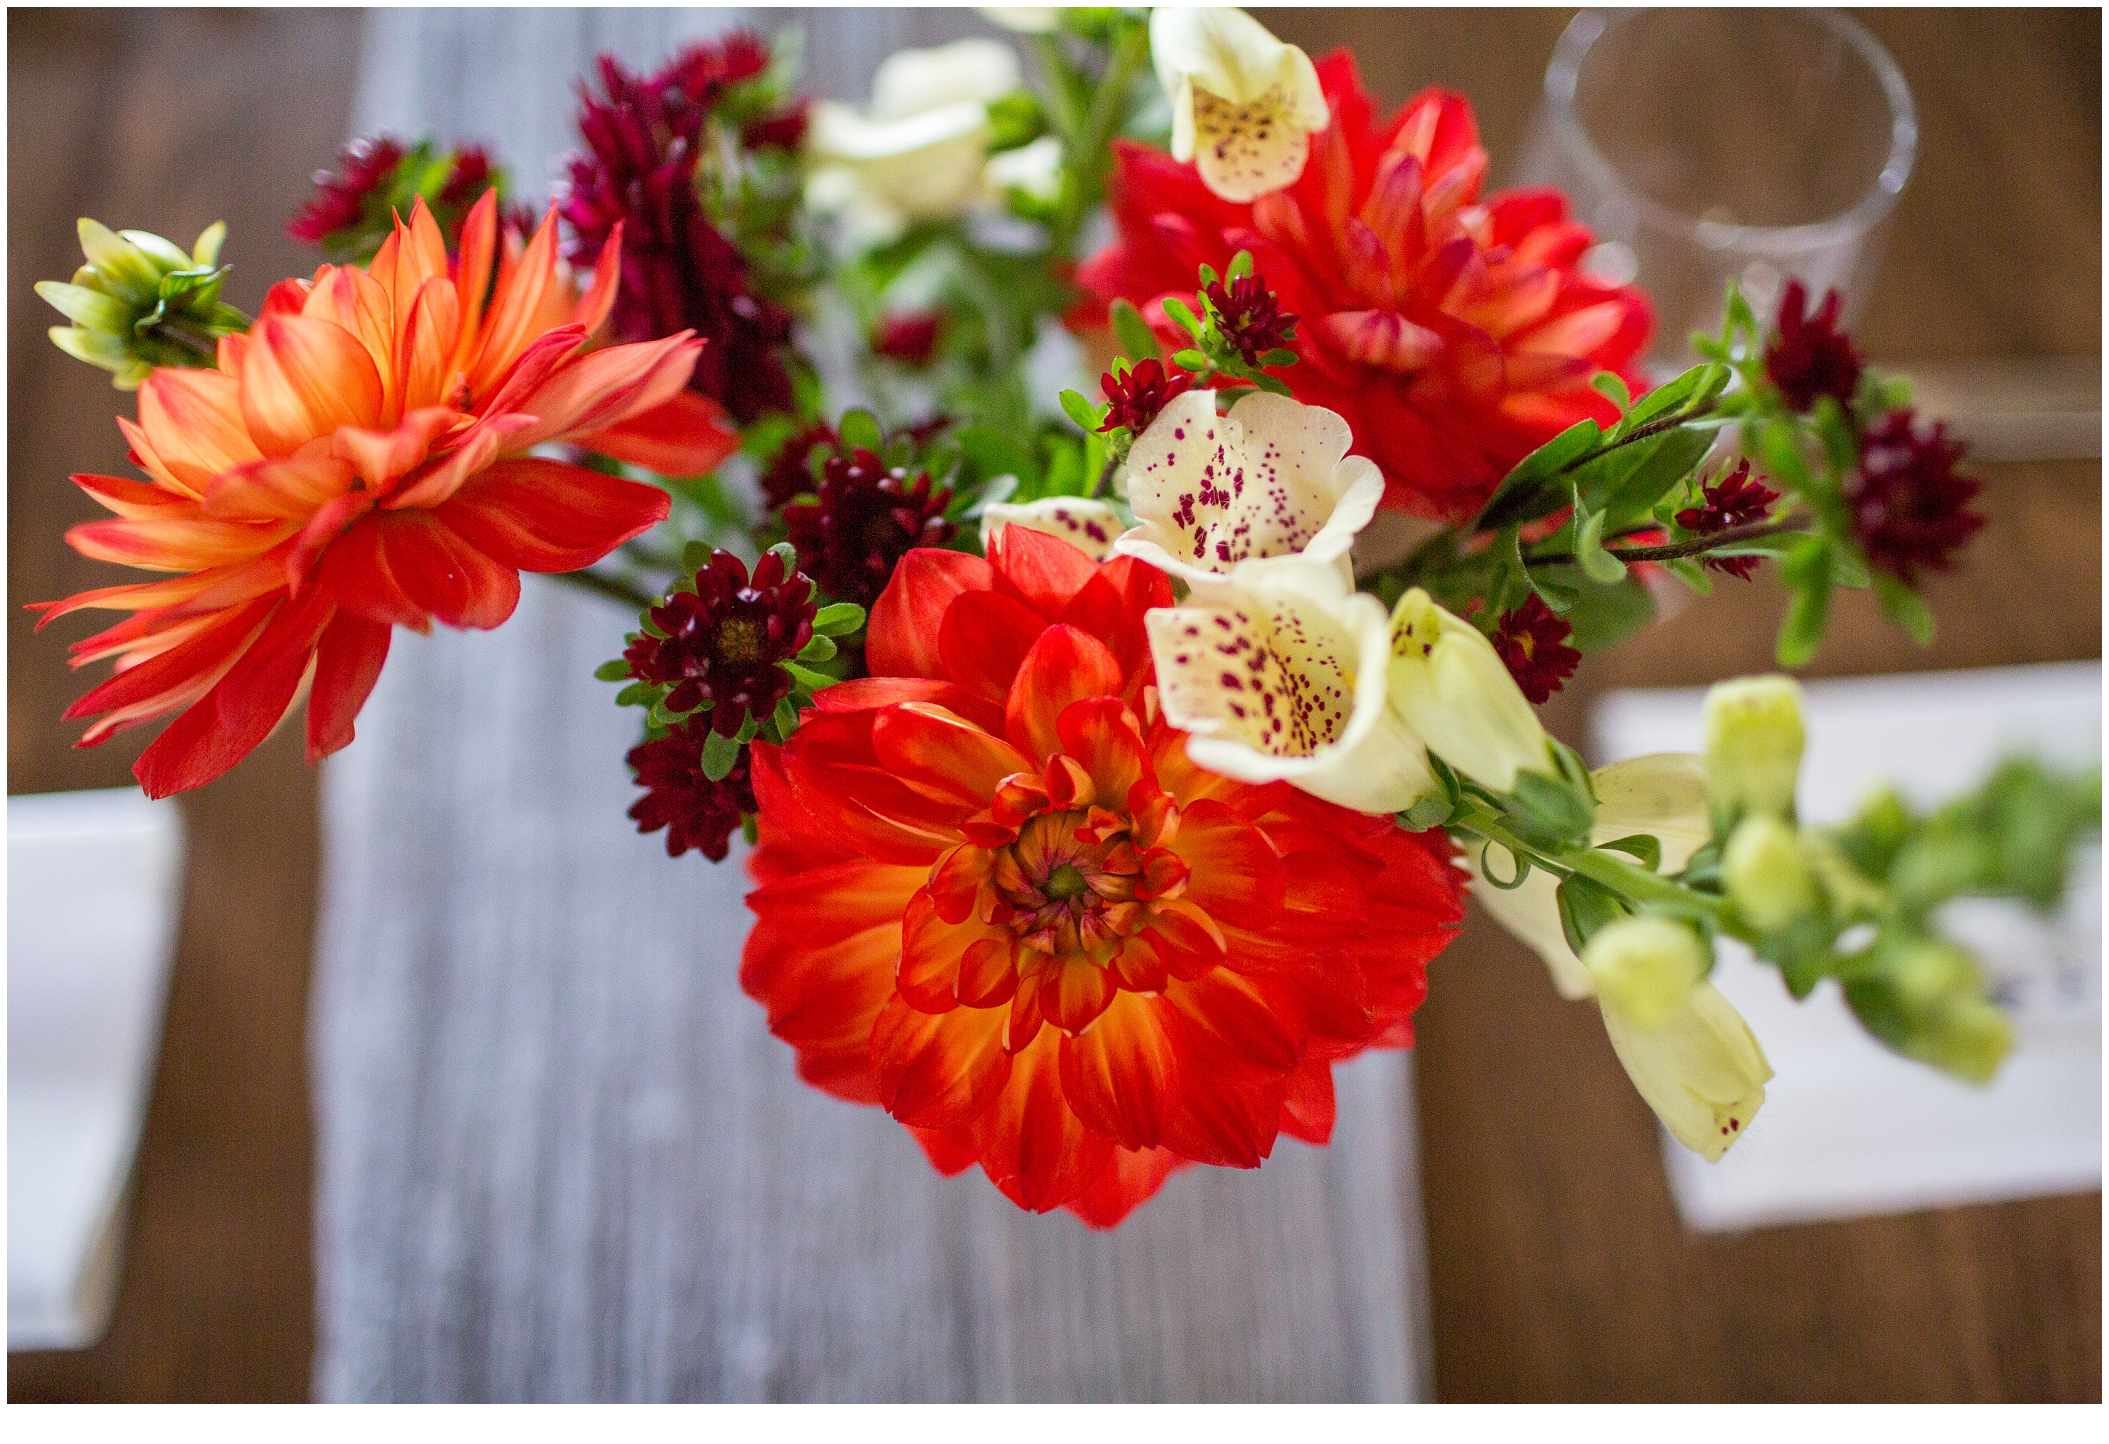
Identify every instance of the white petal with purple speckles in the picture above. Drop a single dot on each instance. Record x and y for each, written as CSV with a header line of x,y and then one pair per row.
x,y
1271,479
1088,525
1278,671
1244,105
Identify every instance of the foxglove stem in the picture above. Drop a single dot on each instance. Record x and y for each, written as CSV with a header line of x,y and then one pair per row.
x,y
612,587
1697,546
1475,818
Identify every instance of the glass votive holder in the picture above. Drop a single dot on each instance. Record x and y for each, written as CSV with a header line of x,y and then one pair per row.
x,y
1708,145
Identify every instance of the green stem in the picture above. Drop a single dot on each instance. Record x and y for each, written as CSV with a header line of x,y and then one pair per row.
x,y
1105,477
1626,878
613,587
1697,546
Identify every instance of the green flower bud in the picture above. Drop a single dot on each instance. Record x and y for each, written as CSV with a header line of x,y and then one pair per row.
x,y
1702,1071
1452,688
1645,968
1753,748
1969,1038
1767,877
1927,974
142,302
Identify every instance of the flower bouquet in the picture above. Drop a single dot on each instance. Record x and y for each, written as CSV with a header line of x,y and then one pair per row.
x,y
1104,784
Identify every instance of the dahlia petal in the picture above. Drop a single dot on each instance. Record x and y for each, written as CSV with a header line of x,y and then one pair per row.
x,y
831,901
600,296
794,834
1122,1075
988,973
1236,874
549,516
871,693
1186,938
174,545
347,664
825,1001
277,489
1130,1181
932,949
1103,735
901,639
303,378
1140,966
511,325
1075,992
685,436
440,572
983,639
942,754
192,420
1308,1108
1230,1122
226,724
474,449
1576,333
1063,666
1383,339
1032,1145
950,1150
601,390
424,359
1040,570
383,457
1112,605
208,649
938,1071
354,301
1227,1019
479,246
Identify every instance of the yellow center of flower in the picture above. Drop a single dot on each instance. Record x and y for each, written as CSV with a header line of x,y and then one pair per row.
x,y
739,641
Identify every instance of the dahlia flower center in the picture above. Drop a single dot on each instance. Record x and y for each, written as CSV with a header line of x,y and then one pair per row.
x,y
1065,882
739,641
1067,886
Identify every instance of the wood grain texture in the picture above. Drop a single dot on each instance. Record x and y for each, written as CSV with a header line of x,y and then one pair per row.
x,y
562,1158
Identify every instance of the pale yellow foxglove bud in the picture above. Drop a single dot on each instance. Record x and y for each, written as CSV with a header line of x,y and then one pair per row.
x,y
1244,105
1768,878
1645,968
1753,748
1453,690
1702,1070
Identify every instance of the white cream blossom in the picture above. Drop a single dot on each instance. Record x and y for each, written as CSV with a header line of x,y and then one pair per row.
x,y
1662,796
1455,692
1272,478
1089,525
920,151
1702,1071
1278,672
1244,105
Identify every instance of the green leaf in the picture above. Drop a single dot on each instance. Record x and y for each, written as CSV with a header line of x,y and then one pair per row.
x,y
1658,466
1190,359
1693,575
859,428
1905,607
614,671
1240,265
1431,811
1082,412
1529,491
695,556
636,694
1641,845
1601,616
1597,564
1178,311
1693,391
785,718
1613,386
838,619
1586,906
719,754
1549,812
1279,356
1134,334
1779,454
788,555
807,678
1808,572
817,649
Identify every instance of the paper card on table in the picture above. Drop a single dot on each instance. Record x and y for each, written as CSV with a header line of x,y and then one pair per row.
x,y
1849,1128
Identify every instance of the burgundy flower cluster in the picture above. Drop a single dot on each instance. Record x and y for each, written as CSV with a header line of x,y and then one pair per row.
x,y
354,206
1735,499
1140,393
865,516
1808,355
644,142
1250,316
1909,509
725,640
1532,643
695,811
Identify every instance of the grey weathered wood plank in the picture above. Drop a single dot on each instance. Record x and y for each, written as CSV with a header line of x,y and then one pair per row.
x,y
562,1158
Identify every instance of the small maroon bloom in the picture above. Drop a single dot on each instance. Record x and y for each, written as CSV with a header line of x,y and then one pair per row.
x,y
1532,643
695,811
786,130
1139,395
791,473
1250,316
725,640
471,176
1809,356
866,518
1908,507
1735,499
364,169
909,338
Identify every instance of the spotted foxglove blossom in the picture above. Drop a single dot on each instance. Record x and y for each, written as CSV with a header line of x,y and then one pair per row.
x,y
1271,479
1278,671
1662,796
1702,1071
1453,690
1089,525
1244,105
920,151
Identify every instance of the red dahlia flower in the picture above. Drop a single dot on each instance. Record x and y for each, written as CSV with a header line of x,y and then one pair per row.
x,y
1453,333
1908,507
726,641
679,272
1809,356
1532,643
997,899
695,811
360,460
866,517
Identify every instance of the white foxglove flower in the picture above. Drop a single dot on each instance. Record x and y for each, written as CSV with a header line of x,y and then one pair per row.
x,y
1645,967
1753,746
1244,105
1272,478
920,152
1089,525
1662,796
1702,1070
1278,671
1455,692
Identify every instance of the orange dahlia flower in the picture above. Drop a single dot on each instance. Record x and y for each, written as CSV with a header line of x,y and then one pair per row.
x,y
359,460
1453,332
997,899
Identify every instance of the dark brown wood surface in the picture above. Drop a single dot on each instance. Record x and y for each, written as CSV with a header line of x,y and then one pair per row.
x,y
1559,1270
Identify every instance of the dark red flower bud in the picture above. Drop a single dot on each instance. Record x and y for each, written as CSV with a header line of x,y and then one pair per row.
x,y
471,176
696,812
1250,316
1809,356
1532,643
366,168
725,640
1908,507
1735,499
791,472
785,130
867,517
1139,395
909,338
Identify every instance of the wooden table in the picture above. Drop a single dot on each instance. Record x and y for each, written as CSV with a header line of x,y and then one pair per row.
x,y
1557,1265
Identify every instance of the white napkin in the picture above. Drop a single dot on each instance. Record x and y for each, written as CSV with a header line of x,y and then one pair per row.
x,y
93,880
1849,1128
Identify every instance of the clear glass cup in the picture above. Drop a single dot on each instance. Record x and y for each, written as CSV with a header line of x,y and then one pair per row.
x,y
1705,145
